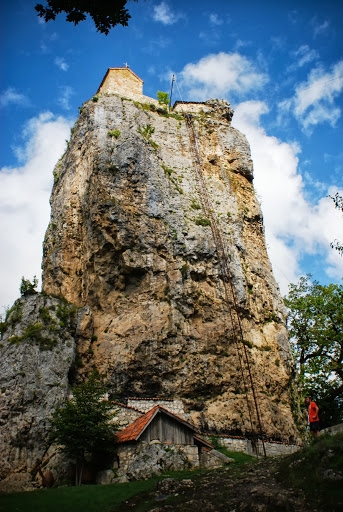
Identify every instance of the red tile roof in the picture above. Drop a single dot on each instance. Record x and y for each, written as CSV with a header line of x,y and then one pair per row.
x,y
133,431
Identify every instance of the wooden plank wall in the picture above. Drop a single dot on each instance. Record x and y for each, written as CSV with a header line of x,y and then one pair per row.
x,y
167,430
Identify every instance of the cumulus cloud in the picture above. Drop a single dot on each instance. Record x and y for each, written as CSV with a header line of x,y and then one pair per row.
x,y
12,96
164,14
24,202
294,227
61,63
314,100
220,74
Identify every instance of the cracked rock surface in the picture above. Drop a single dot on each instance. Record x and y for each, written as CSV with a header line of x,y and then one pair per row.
x,y
129,242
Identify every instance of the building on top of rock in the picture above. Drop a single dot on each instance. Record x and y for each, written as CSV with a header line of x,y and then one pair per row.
x,y
123,82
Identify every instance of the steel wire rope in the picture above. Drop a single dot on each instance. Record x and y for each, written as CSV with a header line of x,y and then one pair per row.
x,y
227,277
226,274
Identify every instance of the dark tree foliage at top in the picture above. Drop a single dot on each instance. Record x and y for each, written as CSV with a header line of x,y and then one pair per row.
x,y
105,14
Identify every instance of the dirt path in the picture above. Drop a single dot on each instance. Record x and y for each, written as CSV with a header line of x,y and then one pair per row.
x,y
248,488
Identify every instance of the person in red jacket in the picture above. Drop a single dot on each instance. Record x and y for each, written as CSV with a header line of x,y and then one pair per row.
x,y
313,417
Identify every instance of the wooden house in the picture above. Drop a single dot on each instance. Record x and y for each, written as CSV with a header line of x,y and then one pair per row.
x,y
164,426
158,441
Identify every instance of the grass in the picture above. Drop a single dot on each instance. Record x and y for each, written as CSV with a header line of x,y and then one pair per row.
x,y
87,498
305,470
302,470
238,457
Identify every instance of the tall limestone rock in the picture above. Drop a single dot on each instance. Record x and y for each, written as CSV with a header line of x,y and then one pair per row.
x,y
146,206
130,243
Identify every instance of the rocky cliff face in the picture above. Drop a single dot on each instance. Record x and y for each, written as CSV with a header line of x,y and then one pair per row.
x,y
37,354
128,239
131,247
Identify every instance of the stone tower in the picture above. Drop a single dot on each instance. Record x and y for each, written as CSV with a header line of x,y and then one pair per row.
x,y
130,243
134,282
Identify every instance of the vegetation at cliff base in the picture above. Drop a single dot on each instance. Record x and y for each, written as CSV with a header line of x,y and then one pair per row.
x,y
82,424
310,479
318,470
315,324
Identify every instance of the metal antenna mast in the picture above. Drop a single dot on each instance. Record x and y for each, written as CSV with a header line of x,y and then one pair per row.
x,y
171,91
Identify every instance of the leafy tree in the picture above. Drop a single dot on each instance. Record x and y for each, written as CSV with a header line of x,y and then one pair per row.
x,y
315,324
28,287
82,425
338,200
105,15
163,98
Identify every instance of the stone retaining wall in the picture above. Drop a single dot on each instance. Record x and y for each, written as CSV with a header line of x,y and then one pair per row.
x,y
273,449
333,430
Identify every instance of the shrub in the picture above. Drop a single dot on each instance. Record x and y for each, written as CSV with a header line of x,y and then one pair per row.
x,y
195,205
163,98
168,172
114,133
202,221
83,424
27,287
146,131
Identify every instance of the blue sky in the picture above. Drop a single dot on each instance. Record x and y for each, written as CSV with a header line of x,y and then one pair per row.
x,y
279,64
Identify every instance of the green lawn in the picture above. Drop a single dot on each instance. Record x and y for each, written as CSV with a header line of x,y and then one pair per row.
x,y
87,498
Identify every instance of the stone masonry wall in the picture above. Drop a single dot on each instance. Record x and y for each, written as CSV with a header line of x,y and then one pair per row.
x,y
145,404
144,460
121,81
245,446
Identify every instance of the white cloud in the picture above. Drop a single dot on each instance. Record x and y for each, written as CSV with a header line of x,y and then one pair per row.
x,y
61,63
220,74
293,16
314,100
320,28
66,93
304,54
165,15
11,96
294,227
155,46
45,42
24,202
215,19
